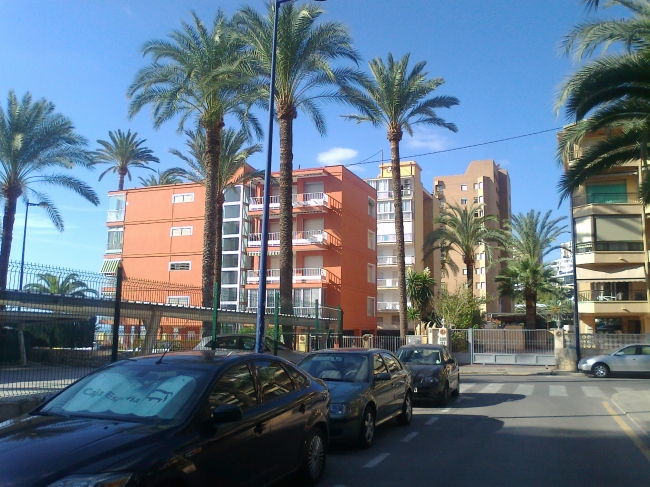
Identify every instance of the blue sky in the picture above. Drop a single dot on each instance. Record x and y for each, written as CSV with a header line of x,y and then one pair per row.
x,y
500,58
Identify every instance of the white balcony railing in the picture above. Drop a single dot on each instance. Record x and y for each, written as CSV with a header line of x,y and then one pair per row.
x,y
392,260
387,306
408,237
298,200
304,237
115,215
387,283
388,195
315,274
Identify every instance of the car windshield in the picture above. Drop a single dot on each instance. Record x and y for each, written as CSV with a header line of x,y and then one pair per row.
x,y
132,392
419,356
344,367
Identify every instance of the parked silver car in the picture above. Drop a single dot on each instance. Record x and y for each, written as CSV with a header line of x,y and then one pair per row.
x,y
631,359
245,342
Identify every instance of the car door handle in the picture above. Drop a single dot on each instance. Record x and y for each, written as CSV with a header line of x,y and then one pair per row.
x,y
259,429
302,408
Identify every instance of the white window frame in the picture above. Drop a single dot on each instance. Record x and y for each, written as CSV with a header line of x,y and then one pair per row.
x,y
181,234
188,262
183,196
463,187
372,207
463,201
179,298
465,271
372,240
372,273
371,302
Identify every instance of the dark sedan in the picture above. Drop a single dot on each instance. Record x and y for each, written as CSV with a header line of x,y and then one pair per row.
x,y
183,419
435,373
367,387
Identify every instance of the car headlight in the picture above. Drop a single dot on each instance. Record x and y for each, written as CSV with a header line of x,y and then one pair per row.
x,y
339,409
97,480
430,379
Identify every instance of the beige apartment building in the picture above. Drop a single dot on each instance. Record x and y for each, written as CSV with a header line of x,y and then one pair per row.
x,y
611,249
419,212
484,182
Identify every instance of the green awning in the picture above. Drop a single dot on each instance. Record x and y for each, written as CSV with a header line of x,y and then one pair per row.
x,y
109,266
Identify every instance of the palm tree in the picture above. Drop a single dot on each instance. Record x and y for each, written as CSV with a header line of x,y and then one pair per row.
x,y
463,231
447,264
168,176
526,274
199,73
232,172
123,152
397,100
70,285
34,141
611,94
304,79
419,289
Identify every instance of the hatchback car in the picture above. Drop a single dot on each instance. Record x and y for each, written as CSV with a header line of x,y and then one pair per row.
x,y
367,387
245,342
183,419
435,373
631,359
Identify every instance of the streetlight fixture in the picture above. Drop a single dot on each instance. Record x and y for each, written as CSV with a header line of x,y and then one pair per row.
x,y
22,258
261,290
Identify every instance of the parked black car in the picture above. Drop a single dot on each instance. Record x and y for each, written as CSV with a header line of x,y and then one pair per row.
x,y
367,387
435,373
182,419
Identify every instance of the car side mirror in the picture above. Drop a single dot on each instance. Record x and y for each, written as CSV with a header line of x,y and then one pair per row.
x,y
382,376
451,361
228,413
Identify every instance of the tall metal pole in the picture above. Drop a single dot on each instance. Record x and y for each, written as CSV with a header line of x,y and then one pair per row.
x,y
576,315
22,258
261,290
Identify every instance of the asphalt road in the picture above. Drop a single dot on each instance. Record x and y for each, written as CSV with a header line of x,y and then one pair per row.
x,y
507,431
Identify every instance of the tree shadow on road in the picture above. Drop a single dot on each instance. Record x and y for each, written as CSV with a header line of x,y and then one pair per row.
x,y
469,400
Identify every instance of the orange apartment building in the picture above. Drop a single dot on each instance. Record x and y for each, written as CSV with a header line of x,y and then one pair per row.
x,y
156,233
484,182
334,245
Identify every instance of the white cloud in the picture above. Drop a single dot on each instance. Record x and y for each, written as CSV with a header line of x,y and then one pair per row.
x,y
336,156
426,139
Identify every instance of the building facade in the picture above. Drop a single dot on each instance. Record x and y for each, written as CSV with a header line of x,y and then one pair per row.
x,y
419,212
563,267
484,183
334,246
611,231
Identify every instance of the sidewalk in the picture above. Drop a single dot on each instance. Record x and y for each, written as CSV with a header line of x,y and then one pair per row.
x,y
507,370
636,405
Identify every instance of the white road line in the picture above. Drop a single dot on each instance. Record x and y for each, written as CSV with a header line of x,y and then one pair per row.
x,y
410,436
623,389
464,387
491,389
377,460
446,410
431,421
557,391
525,389
592,391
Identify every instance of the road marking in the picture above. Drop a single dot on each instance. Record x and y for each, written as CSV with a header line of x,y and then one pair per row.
x,y
377,460
623,389
628,431
466,387
410,436
592,391
525,389
491,389
431,421
557,391
446,410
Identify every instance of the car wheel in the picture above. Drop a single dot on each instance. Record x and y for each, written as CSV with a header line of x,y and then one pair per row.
x,y
456,391
313,464
367,432
406,415
444,400
600,370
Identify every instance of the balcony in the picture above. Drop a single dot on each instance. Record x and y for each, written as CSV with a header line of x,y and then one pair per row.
x,y
599,295
115,216
306,312
607,199
607,302
392,238
387,217
600,246
299,275
387,283
388,195
299,201
387,306
387,260
305,237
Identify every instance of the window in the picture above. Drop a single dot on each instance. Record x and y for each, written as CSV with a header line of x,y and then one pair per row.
x,y
229,260
463,201
235,387
371,306
628,351
478,285
274,380
386,210
483,285
306,298
372,208
183,198
115,239
232,194
229,277
479,256
230,244
231,228
391,362
378,365
480,185
231,211
617,228
478,270
181,231
465,271
371,273
229,294
116,207
480,199
372,240
178,300
645,350
475,185
463,187
180,266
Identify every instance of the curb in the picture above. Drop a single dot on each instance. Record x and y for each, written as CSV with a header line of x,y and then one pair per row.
x,y
505,372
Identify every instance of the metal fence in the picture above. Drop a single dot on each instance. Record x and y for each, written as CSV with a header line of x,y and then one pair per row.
x,y
513,342
597,343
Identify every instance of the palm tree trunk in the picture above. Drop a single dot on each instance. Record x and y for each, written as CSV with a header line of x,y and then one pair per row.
x,y
394,136
286,116
212,154
531,310
121,173
219,246
469,263
8,221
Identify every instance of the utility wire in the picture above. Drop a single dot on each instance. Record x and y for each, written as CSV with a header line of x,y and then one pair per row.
x,y
366,161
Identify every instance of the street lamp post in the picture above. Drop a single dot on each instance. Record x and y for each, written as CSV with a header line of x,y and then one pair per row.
x,y
261,290
22,257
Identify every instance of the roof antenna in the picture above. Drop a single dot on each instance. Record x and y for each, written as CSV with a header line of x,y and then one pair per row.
x,y
159,361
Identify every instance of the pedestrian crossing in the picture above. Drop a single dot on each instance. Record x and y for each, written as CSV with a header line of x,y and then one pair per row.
x,y
552,390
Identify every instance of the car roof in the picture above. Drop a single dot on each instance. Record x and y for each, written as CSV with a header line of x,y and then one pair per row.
x,y
202,357
426,346
350,350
